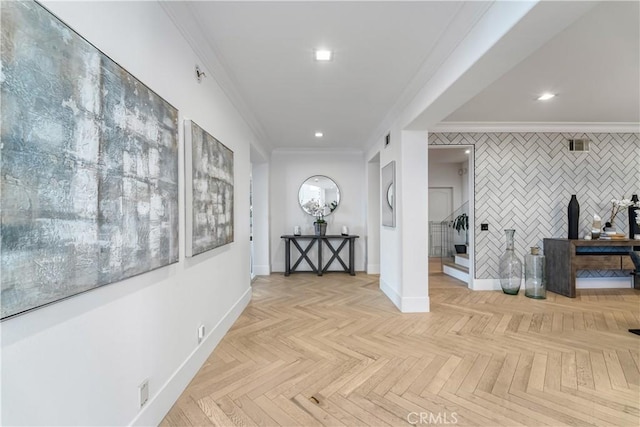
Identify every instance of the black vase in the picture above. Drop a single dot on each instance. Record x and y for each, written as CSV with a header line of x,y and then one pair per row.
x,y
573,212
634,228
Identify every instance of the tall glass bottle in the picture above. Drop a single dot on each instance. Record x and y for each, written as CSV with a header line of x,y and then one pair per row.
x,y
534,281
510,267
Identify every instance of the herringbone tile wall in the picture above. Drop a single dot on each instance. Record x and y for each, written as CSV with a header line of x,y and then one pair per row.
x,y
524,181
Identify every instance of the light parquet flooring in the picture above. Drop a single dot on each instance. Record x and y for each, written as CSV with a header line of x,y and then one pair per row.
x,y
333,350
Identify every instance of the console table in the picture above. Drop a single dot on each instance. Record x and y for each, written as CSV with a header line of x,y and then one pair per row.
x,y
321,242
565,257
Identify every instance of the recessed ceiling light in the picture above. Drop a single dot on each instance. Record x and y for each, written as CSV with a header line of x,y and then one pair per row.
x,y
467,151
323,55
546,96
319,134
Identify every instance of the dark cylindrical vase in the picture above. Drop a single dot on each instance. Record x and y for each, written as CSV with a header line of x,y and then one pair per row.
x,y
634,228
573,212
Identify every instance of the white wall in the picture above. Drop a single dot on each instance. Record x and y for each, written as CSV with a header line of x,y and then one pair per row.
x,y
456,177
373,216
80,361
465,167
446,175
289,169
404,248
391,237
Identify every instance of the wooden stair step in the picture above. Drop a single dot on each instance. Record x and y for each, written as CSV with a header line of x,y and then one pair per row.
x,y
456,266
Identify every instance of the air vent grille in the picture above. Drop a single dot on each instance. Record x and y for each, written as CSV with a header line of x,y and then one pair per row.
x,y
579,145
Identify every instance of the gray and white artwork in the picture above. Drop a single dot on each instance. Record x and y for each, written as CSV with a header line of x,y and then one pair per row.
x,y
388,189
89,158
209,178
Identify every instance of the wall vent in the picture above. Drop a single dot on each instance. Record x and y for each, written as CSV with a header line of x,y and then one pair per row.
x,y
579,145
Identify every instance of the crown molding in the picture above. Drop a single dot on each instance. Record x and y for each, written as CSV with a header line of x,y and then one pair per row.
x,y
190,26
467,16
582,127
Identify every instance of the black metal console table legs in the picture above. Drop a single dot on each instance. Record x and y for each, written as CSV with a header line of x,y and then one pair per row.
x,y
319,268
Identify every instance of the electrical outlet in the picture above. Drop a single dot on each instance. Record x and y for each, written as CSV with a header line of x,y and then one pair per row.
x,y
143,392
201,333
484,227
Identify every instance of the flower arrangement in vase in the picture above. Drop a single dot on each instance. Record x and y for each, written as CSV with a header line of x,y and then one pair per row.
x,y
616,206
320,224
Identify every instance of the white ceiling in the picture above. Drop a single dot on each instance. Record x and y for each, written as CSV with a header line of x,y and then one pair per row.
x,y
385,51
447,155
593,67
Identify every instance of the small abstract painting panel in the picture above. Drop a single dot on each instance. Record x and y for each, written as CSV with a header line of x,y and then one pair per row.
x,y
89,158
388,196
209,172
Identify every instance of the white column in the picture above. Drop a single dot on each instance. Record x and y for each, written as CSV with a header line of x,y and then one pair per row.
x,y
413,210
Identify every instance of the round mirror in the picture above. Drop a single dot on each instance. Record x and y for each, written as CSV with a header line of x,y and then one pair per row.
x,y
319,196
390,195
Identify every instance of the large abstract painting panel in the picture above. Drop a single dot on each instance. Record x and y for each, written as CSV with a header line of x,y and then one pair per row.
x,y
209,178
89,158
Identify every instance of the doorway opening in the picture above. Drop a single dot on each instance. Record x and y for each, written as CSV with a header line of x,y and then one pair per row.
x,y
450,216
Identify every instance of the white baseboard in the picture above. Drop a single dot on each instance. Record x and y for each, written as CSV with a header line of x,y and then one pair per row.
x,y
486,285
581,283
415,305
373,268
160,404
261,270
604,282
405,304
453,272
391,294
